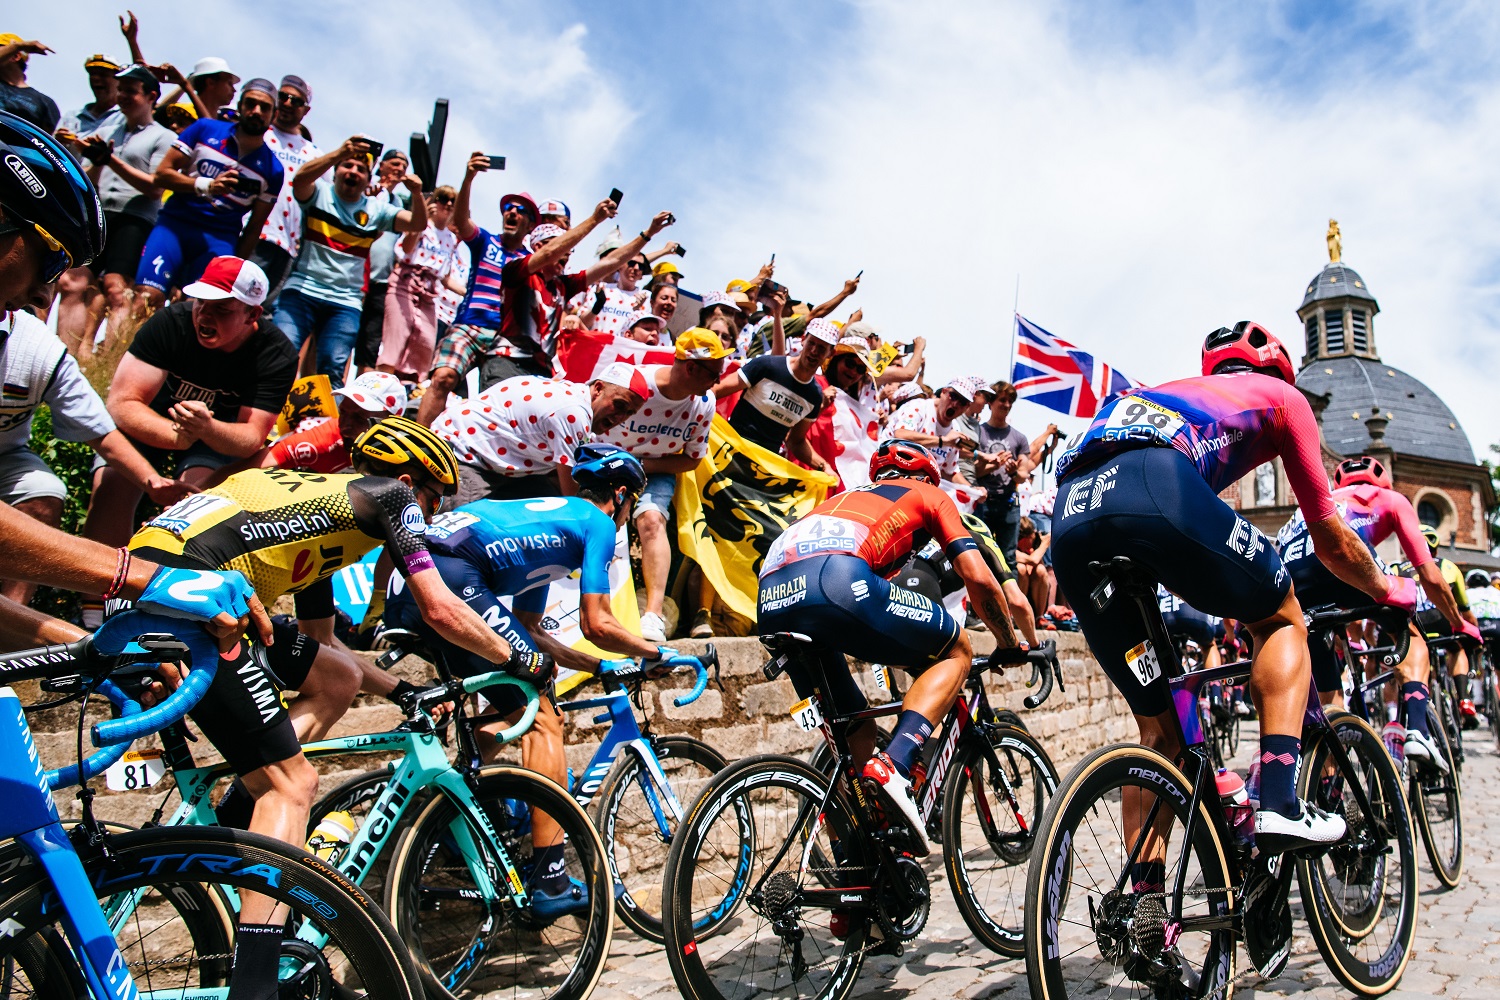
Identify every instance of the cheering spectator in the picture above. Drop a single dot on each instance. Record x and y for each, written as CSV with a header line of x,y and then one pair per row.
x,y
204,379
664,301
16,95
388,187
669,434
612,305
476,330
774,305
516,439
1002,458
929,422
423,262
101,70
554,213
645,328
718,305
281,237
664,273
452,294
38,370
216,171
212,86
339,223
778,397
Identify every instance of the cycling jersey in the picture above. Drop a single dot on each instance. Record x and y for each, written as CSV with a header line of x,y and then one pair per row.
x,y
1454,578
319,448
287,530
1225,424
1184,620
881,523
214,148
1375,514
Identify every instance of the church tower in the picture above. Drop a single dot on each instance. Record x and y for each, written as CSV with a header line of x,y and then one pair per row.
x,y
1338,311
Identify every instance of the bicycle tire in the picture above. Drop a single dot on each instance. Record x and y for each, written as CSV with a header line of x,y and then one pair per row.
x,y
1360,859
1051,882
1436,800
41,967
167,860
1492,700
747,940
998,922
634,849
453,932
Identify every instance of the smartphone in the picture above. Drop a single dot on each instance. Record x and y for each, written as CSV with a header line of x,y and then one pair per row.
x,y
246,185
773,258
861,274
681,250
908,349
497,162
615,195
373,148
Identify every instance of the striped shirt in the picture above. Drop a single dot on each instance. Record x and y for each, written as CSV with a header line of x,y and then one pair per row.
x,y
336,240
481,306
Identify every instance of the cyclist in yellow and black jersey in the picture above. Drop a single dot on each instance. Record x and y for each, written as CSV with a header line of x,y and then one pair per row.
x,y
1434,625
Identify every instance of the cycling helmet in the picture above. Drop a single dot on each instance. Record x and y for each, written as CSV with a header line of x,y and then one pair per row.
x,y
605,467
42,185
1430,533
894,459
1476,578
1364,469
397,442
1250,344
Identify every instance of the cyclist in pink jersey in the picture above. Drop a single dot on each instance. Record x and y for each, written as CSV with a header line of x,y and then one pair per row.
x,y
1143,482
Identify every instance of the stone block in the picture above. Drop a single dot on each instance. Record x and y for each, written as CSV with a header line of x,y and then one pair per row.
x,y
768,699
709,705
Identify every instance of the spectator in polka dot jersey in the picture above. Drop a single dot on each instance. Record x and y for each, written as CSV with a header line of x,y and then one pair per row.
x,y
645,328
669,434
516,439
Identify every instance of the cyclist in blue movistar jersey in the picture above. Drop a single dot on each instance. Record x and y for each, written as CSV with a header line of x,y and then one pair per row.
x,y
501,556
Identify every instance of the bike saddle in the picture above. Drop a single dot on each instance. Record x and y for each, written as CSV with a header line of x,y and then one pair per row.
x,y
784,642
403,642
1124,573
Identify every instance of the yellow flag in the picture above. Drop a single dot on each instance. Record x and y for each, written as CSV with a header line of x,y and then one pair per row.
x,y
311,396
734,504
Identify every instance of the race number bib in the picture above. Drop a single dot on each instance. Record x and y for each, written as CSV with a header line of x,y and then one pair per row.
x,y
1143,663
806,714
199,508
815,535
1137,418
137,770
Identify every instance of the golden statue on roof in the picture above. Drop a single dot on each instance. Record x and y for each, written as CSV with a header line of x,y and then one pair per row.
x,y
1335,242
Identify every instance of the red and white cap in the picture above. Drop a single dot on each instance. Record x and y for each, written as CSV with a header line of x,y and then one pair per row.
x,y
641,316
822,329
628,376
231,277
378,392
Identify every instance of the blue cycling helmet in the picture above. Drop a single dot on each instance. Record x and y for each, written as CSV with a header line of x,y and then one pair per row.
x,y
42,186
600,466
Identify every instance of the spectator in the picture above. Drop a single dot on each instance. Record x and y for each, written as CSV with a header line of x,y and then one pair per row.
x,y
645,328
452,293
1002,458
216,171
388,187
1031,573
554,213
37,370
760,325
929,422
176,117
664,301
281,237
101,70
779,398
339,224
125,152
664,273
16,95
718,305
981,393
424,261
212,87
669,434
612,304
516,439
203,381
476,330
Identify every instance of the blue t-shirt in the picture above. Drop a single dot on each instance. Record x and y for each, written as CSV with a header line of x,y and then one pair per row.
x,y
481,306
214,149
521,546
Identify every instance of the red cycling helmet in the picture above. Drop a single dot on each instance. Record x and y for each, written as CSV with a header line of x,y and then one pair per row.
x,y
903,460
1250,344
1364,469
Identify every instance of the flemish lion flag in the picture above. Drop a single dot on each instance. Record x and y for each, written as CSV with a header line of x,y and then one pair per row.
x,y
734,504
311,396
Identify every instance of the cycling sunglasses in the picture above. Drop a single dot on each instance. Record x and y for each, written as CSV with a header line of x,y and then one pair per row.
x,y
57,259
291,100
639,265
516,206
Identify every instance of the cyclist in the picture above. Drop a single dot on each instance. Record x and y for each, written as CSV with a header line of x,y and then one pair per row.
x,y
827,576
1433,621
1375,511
502,555
1184,621
1143,482
929,572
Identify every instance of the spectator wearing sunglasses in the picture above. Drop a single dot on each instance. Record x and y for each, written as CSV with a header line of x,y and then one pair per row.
x,y
613,304
281,236
475,332
424,261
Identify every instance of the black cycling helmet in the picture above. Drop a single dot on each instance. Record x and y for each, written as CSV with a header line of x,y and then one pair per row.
x,y
1476,578
396,444
43,187
605,468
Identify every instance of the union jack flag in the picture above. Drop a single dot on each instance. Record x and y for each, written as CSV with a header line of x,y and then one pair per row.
x,y
1052,372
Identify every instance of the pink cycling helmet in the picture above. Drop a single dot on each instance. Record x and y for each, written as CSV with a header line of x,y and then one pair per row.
x,y
1364,469
1249,344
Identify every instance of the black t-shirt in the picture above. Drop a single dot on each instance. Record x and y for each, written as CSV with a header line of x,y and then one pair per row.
x,y
774,402
30,104
258,375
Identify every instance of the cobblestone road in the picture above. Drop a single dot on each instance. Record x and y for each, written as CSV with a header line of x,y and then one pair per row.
x,y
1457,950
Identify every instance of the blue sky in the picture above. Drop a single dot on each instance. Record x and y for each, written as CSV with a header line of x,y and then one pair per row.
x,y
1151,170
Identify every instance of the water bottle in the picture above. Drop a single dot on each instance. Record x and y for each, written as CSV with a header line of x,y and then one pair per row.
x,y
1237,810
1252,784
332,836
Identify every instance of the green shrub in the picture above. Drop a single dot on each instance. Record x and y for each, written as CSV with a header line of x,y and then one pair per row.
x,y
73,463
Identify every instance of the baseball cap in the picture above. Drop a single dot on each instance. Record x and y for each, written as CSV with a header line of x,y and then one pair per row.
x,y
861,329
627,376
640,316
299,85
261,84
100,61
524,199
378,392
541,234
139,73
209,65
700,344
554,207
737,285
907,391
963,386
231,277
394,152
661,269
175,115
821,329
10,39
711,299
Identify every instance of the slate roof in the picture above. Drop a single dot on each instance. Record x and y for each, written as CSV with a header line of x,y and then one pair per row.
x,y
1336,281
1422,424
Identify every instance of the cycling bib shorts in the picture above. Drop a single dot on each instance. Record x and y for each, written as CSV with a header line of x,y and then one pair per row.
x,y
244,713
175,255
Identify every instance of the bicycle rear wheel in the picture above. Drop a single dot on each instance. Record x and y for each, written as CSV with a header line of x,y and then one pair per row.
x,y
1360,897
468,942
992,806
1437,803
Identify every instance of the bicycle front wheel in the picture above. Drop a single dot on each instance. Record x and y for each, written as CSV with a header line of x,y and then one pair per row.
x,y
457,912
1089,931
1360,896
1437,803
992,805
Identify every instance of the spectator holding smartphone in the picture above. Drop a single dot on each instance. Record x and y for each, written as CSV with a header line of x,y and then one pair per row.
x,y
388,186
424,261
281,237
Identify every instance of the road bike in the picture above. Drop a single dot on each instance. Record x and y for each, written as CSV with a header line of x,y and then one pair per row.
x,y
55,939
780,874
1089,932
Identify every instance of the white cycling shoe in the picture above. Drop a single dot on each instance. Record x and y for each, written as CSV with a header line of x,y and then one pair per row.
x,y
1275,833
1420,748
896,789
653,629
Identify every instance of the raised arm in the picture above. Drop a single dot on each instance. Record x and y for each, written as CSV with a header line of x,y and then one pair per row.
x,y
614,261
307,175
850,287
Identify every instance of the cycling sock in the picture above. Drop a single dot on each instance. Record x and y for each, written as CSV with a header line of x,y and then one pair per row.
x,y
1279,756
236,807
551,869
1148,876
1414,699
257,953
912,730
1476,689
91,613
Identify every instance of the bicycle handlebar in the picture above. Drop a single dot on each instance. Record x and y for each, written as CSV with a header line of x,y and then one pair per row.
x,y
96,763
1393,620
686,661
156,634
1044,667
471,685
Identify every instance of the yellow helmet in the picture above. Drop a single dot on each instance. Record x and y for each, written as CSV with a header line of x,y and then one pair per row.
x,y
397,443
